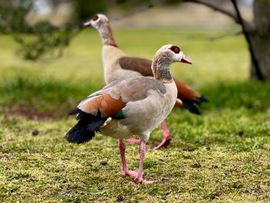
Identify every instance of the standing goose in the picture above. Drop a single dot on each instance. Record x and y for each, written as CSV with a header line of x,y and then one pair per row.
x,y
130,107
118,66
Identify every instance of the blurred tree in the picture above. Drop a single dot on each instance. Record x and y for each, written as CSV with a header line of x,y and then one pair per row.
x,y
12,15
45,38
256,32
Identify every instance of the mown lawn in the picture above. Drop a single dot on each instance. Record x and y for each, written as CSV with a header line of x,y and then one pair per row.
x,y
221,156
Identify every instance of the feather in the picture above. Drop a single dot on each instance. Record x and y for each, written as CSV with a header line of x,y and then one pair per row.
x,y
103,102
191,106
86,127
141,65
91,114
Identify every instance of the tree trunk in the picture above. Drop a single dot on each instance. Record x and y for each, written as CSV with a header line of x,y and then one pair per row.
x,y
261,47
260,39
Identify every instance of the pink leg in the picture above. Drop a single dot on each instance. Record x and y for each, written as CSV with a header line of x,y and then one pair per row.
x,y
139,178
125,171
166,136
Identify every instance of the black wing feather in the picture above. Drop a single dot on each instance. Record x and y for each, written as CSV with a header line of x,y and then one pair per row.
x,y
86,127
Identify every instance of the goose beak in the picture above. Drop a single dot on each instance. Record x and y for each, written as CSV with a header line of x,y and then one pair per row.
x,y
185,60
87,24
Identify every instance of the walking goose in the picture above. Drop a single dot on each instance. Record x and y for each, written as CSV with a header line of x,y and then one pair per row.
x,y
118,66
130,107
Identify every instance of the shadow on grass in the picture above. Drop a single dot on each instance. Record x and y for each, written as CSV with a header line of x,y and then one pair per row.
x,y
41,98
53,98
251,95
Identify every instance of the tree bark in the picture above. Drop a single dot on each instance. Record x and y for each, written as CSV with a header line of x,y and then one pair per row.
x,y
256,33
261,38
261,46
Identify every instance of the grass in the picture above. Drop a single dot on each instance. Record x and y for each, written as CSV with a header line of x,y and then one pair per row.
x,y
221,156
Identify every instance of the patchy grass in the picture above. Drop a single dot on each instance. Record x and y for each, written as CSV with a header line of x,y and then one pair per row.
x,y
221,156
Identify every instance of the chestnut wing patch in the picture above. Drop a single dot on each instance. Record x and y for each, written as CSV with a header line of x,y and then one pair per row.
x,y
140,65
103,103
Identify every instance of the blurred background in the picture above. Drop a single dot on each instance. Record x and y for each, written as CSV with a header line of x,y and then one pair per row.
x,y
41,39
48,63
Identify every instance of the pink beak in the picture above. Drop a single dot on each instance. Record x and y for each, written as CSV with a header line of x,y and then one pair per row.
x,y
186,60
87,23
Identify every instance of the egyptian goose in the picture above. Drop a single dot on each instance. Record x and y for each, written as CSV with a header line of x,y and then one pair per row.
x,y
118,66
130,107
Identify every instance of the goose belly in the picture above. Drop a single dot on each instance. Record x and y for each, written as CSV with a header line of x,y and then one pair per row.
x,y
117,130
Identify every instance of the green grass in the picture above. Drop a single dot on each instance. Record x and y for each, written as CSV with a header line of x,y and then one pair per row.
x,y
221,156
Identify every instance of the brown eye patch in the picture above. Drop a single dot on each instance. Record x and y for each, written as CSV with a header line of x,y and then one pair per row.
x,y
175,49
95,17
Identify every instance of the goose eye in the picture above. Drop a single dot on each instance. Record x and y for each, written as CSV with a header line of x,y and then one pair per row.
x,y
94,18
175,49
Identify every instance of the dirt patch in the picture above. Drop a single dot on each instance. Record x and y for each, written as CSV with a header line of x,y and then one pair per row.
x,y
29,113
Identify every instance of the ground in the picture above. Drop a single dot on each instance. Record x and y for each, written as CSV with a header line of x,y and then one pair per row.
x,y
221,156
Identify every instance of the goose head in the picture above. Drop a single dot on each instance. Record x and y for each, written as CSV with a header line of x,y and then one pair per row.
x,y
165,56
96,21
171,53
